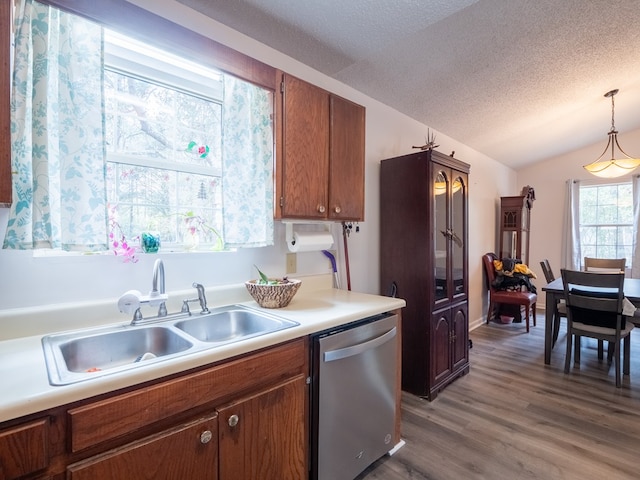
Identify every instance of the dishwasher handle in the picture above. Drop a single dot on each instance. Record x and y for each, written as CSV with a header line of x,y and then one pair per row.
x,y
341,353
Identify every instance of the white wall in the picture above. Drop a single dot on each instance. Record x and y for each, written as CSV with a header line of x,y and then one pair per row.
x,y
27,280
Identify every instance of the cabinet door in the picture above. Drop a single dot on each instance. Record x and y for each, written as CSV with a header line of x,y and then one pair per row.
x,y
24,448
346,160
264,436
305,158
458,228
440,347
187,451
460,337
441,185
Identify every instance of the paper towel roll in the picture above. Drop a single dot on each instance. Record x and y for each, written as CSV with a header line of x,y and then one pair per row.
x,y
310,241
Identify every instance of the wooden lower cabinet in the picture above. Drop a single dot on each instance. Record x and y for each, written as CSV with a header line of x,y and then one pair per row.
x,y
261,435
245,418
449,353
187,451
24,448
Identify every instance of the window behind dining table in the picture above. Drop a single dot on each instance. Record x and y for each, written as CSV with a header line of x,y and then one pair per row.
x,y
606,221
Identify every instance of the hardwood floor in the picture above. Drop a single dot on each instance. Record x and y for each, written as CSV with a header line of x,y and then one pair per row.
x,y
512,417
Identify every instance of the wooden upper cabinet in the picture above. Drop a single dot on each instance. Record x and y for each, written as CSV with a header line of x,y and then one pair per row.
x,y
320,166
305,149
346,168
5,97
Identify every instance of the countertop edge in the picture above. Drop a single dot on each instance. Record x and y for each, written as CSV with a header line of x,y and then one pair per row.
x,y
27,390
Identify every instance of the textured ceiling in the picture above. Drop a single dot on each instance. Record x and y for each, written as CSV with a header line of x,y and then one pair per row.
x,y
517,80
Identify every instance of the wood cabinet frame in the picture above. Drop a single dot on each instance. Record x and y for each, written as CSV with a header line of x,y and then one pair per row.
x,y
6,13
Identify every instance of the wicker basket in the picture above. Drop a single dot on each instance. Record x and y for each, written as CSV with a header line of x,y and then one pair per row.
x,y
273,296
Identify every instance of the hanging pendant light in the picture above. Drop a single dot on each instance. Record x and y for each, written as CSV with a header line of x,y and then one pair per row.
x,y
615,167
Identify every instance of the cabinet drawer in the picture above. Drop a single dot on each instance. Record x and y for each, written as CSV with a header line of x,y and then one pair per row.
x,y
187,451
123,414
24,449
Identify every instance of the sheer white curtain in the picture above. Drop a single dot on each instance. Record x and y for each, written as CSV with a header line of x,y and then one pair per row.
x,y
57,133
635,262
571,256
247,164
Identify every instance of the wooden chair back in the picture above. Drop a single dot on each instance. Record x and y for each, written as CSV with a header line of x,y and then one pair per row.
x,y
489,269
589,295
594,304
605,265
546,270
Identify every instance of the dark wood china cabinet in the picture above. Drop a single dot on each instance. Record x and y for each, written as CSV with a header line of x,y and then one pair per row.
x,y
424,260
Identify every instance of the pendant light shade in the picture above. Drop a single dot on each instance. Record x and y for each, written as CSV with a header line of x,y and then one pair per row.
x,y
613,167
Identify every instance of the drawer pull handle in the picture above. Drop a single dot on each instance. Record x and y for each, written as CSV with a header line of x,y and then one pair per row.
x,y
233,420
321,208
206,436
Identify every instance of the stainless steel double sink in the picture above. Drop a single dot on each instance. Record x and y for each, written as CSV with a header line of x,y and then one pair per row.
x,y
90,353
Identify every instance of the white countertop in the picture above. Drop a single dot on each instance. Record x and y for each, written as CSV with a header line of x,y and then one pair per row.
x,y
25,384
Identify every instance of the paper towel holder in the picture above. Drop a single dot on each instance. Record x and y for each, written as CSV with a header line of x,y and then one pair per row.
x,y
289,229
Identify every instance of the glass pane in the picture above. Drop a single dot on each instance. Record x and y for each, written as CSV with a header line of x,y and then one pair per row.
x,y
606,221
441,185
147,120
458,230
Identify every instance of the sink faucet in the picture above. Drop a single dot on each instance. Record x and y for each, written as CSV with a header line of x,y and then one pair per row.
x,y
158,275
131,301
201,298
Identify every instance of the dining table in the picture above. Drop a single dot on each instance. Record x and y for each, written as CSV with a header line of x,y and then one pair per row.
x,y
555,292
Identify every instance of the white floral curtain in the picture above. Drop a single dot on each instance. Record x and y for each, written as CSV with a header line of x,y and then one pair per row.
x,y
247,165
571,256
57,133
635,261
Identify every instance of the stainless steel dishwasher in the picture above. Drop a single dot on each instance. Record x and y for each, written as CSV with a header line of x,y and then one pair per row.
x,y
353,396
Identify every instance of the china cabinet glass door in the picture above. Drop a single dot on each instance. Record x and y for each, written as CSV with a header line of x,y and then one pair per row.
x,y
441,188
458,234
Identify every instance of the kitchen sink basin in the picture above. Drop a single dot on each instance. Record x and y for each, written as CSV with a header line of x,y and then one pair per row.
x,y
92,353
231,325
81,355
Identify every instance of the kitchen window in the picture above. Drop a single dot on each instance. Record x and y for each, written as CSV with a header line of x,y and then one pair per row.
x,y
606,221
111,136
163,118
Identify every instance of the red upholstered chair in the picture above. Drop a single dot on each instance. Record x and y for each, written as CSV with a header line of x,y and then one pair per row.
x,y
497,297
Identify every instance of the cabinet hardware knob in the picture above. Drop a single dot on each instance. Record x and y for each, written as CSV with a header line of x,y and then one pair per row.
x,y
321,208
233,420
206,436
337,209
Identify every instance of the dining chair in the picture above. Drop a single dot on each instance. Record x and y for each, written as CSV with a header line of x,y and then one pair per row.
x,y
561,308
594,309
604,265
507,297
